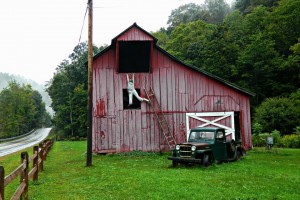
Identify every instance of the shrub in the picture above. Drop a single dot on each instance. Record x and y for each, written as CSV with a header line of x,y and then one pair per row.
x,y
297,130
291,141
287,141
259,140
257,128
276,138
278,113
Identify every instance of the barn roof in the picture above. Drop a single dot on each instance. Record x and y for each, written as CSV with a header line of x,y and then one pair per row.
x,y
232,85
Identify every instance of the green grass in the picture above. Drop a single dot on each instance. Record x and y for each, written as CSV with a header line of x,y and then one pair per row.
x,y
261,175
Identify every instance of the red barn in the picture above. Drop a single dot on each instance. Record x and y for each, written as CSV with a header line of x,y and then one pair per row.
x,y
181,97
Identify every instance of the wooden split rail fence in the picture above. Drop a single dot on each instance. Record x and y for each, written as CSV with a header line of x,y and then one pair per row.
x,y
37,159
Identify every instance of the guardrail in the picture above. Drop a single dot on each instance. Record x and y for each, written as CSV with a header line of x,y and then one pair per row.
x,y
17,137
37,159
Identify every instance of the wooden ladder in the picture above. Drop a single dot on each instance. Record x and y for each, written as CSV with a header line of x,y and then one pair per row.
x,y
161,118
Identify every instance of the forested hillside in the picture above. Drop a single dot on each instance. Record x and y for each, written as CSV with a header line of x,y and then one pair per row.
x,y
254,44
6,78
22,110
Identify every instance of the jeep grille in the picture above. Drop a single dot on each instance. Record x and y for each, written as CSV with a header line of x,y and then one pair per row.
x,y
185,151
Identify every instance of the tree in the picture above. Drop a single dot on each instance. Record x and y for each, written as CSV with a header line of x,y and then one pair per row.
x,y
21,110
285,25
40,114
212,11
184,14
216,11
188,42
278,113
68,90
246,6
162,37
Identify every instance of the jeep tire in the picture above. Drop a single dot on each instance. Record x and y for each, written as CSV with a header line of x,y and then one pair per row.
x,y
174,163
206,160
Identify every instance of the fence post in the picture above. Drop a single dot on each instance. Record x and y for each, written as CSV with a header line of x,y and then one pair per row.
x,y
35,163
45,149
24,175
41,156
2,182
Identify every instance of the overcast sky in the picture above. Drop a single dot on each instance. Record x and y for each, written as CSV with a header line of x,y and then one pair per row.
x,y
37,35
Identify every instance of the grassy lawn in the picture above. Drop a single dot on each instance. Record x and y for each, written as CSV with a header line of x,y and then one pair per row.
x,y
261,175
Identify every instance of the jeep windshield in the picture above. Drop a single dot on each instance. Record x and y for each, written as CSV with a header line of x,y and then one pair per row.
x,y
201,136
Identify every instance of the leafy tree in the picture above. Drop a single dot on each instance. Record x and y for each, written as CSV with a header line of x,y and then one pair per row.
x,y
21,110
188,42
212,11
39,117
162,37
278,113
246,6
68,90
216,11
284,26
185,14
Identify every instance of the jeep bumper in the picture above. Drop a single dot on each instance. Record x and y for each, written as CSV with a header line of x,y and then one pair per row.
x,y
185,160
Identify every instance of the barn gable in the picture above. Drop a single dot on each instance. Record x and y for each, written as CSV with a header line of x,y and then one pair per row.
x,y
180,91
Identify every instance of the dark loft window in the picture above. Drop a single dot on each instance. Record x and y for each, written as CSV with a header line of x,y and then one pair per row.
x,y
134,57
136,104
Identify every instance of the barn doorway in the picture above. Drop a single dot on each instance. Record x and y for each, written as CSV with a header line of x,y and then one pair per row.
x,y
224,120
237,125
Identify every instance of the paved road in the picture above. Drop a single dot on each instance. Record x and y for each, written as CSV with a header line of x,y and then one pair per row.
x,y
25,142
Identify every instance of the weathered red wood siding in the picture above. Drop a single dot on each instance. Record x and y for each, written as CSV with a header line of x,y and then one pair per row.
x,y
178,88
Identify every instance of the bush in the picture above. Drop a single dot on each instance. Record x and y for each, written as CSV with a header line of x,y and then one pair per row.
x,y
278,113
297,130
257,128
259,140
287,141
291,141
276,138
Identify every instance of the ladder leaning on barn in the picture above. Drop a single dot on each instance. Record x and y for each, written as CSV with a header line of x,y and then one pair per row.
x,y
161,118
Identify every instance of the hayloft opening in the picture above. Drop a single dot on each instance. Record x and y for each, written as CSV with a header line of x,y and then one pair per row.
x,y
136,104
134,56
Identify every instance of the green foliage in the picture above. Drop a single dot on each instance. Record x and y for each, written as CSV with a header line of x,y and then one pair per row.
x,y
297,130
291,141
260,140
246,6
68,90
22,110
162,37
188,41
286,141
277,113
212,11
216,11
257,128
276,137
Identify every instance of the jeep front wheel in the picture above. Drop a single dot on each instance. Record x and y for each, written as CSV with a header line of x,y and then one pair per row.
x,y
174,163
206,160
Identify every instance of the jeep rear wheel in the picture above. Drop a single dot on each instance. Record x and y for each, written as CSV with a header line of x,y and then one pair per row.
x,y
238,155
206,160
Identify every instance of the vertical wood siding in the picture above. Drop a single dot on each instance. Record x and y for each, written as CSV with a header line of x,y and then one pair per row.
x,y
179,90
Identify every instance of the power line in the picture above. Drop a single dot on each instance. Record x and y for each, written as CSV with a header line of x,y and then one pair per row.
x,y
83,23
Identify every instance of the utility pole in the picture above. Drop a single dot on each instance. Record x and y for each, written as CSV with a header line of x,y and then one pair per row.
x,y
90,86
